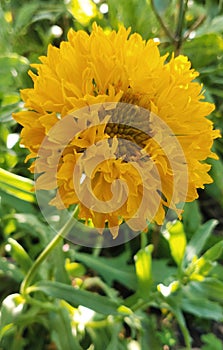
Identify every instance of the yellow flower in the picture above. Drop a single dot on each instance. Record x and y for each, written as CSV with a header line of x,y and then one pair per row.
x,y
116,128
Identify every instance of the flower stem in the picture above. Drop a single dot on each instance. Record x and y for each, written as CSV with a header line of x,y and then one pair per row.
x,y
33,270
179,30
143,240
163,25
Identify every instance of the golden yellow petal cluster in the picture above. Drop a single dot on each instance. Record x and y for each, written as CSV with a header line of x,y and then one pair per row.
x,y
106,69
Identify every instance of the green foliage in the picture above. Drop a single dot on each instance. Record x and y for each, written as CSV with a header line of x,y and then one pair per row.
x,y
211,342
141,295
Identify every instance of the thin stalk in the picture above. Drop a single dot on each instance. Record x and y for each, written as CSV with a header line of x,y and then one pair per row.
x,y
194,26
179,30
163,25
33,270
143,240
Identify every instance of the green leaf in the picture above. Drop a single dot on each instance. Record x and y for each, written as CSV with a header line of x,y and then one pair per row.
x,y
114,342
211,26
6,112
199,239
18,204
161,271
211,342
216,188
210,288
75,297
17,186
217,272
211,44
214,253
10,270
11,67
111,269
31,224
176,238
25,15
161,6
99,337
20,255
58,264
191,217
212,7
148,338
202,308
9,104
143,265
216,91
61,330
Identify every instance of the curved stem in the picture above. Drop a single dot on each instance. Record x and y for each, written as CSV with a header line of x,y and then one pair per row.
x,y
163,25
33,270
194,26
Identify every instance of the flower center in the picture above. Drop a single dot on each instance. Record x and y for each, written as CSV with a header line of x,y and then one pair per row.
x,y
131,125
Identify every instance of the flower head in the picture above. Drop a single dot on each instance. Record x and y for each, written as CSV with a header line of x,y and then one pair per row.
x,y
116,128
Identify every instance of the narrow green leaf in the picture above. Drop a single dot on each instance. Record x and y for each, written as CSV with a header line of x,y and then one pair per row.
x,y
19,204
16,180
58,264
192,217
61,330
6,112
114,343
199,239
111,269
182,323
214,252
216,91
25,15
100,337
20,255
75,297
10,327
17,186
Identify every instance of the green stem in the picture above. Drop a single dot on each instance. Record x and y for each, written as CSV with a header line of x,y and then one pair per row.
x,y
194,26
163,25
33,270
143,240
178,36
186,336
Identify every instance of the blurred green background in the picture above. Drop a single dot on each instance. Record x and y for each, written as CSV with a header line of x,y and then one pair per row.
x,y
191,314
